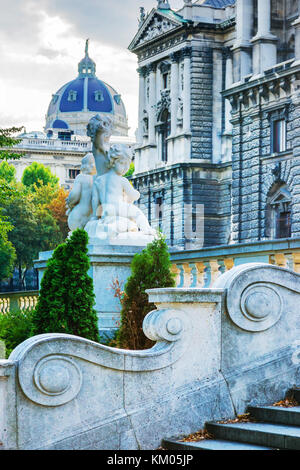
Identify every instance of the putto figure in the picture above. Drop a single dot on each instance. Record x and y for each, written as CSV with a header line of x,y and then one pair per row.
x,y
79,201
99,129
113,192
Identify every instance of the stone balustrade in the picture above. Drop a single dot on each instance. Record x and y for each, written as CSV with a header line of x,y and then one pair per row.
x,y
18,301
217,351
201,268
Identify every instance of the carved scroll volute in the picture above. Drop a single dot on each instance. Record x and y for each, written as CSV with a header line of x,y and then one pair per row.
x,y
165,325
255,295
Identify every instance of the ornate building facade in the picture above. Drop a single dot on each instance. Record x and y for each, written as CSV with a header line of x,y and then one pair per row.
x,y
218,120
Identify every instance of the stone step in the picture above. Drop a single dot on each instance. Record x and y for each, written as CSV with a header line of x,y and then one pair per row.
x,y
210,444
278,436
276,414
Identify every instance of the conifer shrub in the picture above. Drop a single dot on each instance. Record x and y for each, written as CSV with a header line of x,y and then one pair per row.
x,y
149,269
66,300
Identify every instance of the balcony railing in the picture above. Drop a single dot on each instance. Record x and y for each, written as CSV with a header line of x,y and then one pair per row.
x,y
54,144
201,268
10,301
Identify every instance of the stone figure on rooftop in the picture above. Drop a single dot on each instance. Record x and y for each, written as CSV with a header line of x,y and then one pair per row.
x,y
99,129
79,201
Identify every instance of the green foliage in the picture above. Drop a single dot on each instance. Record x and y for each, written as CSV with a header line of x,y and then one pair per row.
x,y
7,258
149,269
130,171
7,140
33,229
7,172
36,175
15,327
66,299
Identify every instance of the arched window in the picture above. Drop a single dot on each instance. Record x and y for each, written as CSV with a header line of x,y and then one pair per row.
x,y
165,130
279,213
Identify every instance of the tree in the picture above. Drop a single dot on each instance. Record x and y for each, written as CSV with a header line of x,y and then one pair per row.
x,y
36,175
32,229
7,172
149,269
7,141
66,300
57,208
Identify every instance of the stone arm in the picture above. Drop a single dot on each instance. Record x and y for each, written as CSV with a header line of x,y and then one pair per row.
x,y
95,202
75,195
131,193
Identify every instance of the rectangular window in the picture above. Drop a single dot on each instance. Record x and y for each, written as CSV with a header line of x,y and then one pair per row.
x,y
165,80
279,136
73,173
283,225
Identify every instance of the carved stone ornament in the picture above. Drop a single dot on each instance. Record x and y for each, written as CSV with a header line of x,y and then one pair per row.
x,y
164,103
157,27
254,299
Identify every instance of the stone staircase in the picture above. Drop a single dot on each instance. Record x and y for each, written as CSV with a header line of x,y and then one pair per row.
x,y
269,428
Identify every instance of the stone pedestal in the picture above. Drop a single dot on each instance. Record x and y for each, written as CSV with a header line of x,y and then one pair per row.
x,y
109,264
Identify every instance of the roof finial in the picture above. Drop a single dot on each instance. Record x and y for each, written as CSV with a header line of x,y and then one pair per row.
x,y
87,47
163,5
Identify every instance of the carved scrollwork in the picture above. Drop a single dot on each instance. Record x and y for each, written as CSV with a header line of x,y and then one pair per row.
x,y
56,380
164,325
255,294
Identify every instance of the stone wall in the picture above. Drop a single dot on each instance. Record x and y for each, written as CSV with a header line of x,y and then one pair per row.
x,y
181,188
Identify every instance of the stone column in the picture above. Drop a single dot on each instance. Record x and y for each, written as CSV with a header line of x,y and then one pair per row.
x,y
264,43
174,91
242,47
187,90
228,83
142,94
152,103
296,25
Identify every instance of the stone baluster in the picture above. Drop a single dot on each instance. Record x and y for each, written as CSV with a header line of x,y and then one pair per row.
x,y
280,260
242,47
176,271
296,259
264,42
188,280
215,272
142,94
200,274
152,103
229,263
174,91
187,52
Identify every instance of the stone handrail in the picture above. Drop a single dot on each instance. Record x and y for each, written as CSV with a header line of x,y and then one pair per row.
x,y
217,351
18,301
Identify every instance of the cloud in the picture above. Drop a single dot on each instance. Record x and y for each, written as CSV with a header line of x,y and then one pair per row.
x,y
42,41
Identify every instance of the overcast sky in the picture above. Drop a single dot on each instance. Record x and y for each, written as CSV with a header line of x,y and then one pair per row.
x,y
42,41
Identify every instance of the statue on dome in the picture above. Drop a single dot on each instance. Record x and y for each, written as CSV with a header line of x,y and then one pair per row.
x,y
163,5
87,47
79,201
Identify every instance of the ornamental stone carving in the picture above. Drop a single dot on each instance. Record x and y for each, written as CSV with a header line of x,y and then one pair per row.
x,y
254,294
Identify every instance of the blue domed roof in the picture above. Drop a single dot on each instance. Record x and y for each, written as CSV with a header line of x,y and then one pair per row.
x,y
84,94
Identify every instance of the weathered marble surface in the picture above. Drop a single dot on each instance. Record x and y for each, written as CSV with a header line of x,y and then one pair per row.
x,y
77,394
104,204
